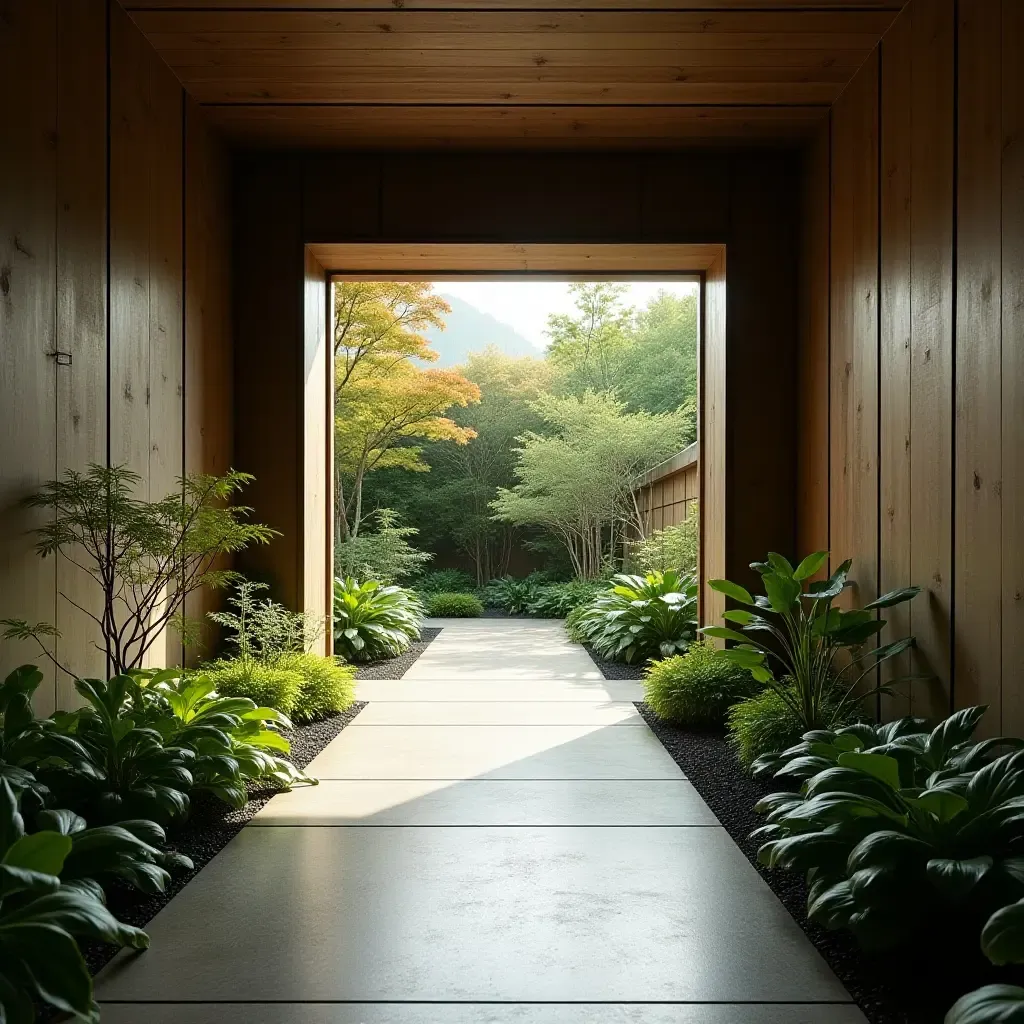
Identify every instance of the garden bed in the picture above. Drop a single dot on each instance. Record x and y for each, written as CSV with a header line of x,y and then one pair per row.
x,y
395,668
891,988
210,827
614,669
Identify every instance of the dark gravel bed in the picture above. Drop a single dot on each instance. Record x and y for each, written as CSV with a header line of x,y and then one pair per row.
x,y
895,987
395,668
614,669
211,825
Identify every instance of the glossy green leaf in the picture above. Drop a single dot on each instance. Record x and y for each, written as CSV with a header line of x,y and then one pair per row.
x,y
810,565
992,1004
733,590
878,765
1002,938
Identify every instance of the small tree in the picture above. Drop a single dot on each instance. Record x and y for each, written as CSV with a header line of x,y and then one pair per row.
x,y
145,556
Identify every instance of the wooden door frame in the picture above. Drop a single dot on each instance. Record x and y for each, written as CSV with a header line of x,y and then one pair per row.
x,y
326,261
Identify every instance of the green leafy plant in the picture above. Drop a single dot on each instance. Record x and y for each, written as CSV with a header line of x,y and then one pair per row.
x,y
1002,941
674,547
444,581
234,741
642,617
796,632
454,606
146,557
265,685
767,722
891,861
921,753
40,920
511,594
556,600
328,685
372,621
384,554
127,771
696,688
574,626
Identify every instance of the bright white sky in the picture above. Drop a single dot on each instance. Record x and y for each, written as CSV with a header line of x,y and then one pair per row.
x,y
526,305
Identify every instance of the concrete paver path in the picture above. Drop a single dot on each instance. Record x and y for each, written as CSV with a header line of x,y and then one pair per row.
x,y
498,838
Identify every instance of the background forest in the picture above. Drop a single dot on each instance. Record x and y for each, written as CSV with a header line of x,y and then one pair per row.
x,y
503,462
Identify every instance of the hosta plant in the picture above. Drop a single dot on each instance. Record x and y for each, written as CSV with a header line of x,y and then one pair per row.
x,y
798,644
511,594
128,771
889,861
41,919
641,617
947,749
557,600
372,621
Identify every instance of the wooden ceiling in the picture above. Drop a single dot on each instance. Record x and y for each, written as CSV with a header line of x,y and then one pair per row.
x,y
610,74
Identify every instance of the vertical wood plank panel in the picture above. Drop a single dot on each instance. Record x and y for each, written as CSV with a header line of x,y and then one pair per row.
x,y
318,418
894,348
812,367
81,304
166,366
712,441
28,80
208,343
854,371
978,430
130,155
1012,291
932,348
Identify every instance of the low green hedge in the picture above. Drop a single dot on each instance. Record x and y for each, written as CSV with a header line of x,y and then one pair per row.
x,y
454,606
328,685
696,688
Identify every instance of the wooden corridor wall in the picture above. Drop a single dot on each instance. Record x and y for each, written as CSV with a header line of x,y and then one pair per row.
x,y
114,290
912,346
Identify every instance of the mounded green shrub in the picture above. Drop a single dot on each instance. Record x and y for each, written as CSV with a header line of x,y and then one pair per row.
x,y
268,686
454,606
444,581
766,723
372,622
328,685
696,688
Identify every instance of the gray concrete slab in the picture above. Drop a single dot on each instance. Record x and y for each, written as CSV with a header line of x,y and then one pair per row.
x,y
559,691
489,802
475,914
480,1013
513,712
495,751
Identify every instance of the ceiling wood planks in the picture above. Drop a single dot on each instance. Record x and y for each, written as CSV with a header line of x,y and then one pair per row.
x,y
525,73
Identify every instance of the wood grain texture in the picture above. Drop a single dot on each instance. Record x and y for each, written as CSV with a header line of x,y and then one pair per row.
x,y
81,240
507,5
813,364
317,467
979,458
268,316
446,126
932,348
895,396
1012,377
712,441
853,528
209,383
387,258
131,154
28,179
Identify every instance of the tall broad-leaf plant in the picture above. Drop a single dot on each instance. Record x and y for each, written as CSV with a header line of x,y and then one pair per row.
x,y
795,641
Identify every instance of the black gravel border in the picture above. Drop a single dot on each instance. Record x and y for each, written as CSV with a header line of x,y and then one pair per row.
x,y
210,827
895,987
614,669
395,668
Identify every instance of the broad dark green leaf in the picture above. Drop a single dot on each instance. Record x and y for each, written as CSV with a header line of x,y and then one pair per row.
x,y
878,765
733,590
992,1004
1002,938
810,565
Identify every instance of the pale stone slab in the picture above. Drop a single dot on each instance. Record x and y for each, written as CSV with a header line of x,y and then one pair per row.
x,y
519,712
481,1013
473,915
497,752
489,802
589,691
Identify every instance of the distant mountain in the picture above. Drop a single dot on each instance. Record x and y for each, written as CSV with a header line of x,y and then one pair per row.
x,y
470,330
